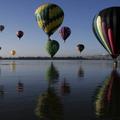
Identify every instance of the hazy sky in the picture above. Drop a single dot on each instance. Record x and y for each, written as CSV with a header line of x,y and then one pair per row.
x,y
19,15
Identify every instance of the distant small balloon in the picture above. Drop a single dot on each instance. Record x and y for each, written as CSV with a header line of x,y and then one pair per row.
x,y
2,28
13,52
80,47
20,34
65,32
0,48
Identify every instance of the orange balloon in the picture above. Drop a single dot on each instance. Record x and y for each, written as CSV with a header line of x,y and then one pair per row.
x,y
13,52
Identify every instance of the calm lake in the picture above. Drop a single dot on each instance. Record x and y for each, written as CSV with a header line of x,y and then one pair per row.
x,y
59,90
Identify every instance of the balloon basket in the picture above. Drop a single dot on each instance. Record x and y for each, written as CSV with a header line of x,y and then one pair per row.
x,y
115,64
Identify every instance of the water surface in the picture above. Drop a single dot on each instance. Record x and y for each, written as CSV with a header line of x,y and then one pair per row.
x,y
59,90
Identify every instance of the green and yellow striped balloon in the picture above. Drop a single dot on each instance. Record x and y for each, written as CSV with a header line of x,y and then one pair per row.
x,y
49,17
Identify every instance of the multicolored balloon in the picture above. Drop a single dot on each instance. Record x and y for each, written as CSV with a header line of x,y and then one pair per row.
x,y
52,47
49,17
106,27
2,28
19,34
80,47
13,52
65,32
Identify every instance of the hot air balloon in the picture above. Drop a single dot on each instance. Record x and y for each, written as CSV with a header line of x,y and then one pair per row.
x,y
19,34
65,32
49,17
0,48
80,47
52,47
13,52
2,28
106,27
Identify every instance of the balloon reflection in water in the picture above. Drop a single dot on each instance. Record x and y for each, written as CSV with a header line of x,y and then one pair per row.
x,y
107,103
20,87
13,66
49,106
65,87
1,90
52,74
80,72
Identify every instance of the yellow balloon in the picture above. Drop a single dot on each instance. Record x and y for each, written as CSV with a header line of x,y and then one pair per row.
x,y
13,52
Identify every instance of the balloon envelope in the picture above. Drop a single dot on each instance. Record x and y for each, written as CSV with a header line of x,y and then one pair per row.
x,y
52,47
106,27
65,32
20,34
13,52
2,28
49,17
80,47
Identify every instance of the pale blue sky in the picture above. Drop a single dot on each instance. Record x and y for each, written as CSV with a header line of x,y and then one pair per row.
x,y
19,15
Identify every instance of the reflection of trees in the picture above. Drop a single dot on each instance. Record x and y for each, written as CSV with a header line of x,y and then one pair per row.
x,y
65,87
81,72
20,87
52,74
107,102
49,106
